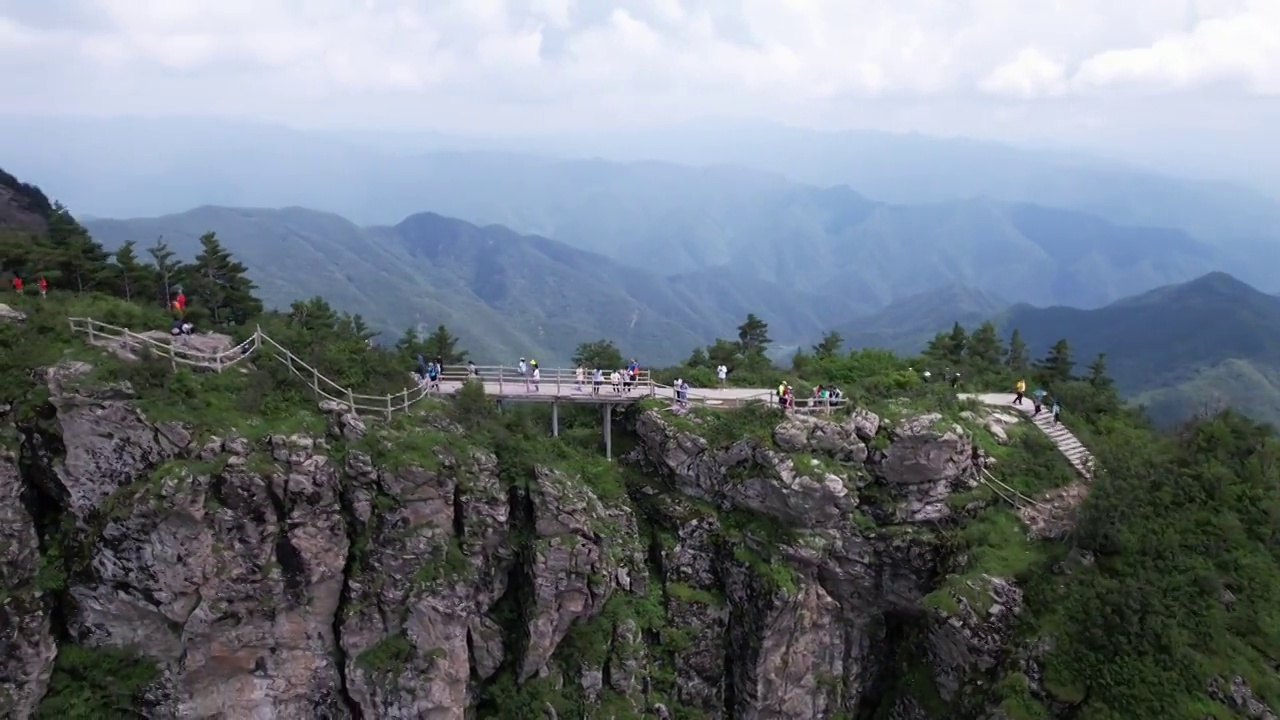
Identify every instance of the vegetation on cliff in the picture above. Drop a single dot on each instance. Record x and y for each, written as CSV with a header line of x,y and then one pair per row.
x,y
1162,601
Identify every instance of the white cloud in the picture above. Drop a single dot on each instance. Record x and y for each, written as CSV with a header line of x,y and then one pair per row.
x,y
653,58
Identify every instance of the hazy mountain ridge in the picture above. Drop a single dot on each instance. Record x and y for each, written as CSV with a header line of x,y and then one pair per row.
x,y
673,218
503,293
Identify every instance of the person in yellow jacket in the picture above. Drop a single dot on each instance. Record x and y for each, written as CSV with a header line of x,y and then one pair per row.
x,y
1021,389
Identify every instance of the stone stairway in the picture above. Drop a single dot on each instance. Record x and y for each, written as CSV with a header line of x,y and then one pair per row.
x,y
1070,446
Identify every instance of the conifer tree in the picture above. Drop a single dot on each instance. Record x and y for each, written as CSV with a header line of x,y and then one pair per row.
x,y
1056,367
75,260
829,347
443,344
984,348
165,268
218,283
753,337
1017,357
133,278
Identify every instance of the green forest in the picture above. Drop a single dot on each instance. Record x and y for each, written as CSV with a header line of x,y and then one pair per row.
x,y
1182,529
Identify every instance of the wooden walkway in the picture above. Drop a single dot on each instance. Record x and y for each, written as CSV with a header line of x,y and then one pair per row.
x,y
556,385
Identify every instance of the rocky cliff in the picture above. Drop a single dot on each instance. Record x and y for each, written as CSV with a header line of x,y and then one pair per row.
x,y
790,569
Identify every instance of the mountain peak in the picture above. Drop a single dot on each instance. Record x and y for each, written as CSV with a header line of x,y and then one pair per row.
x,y
1217,285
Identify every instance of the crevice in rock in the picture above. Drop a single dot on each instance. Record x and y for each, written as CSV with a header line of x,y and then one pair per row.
x,y
292,567
351,524
512,610
47,508
899,644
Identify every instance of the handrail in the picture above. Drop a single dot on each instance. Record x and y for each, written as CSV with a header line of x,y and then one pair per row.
x,y
993,479
562,382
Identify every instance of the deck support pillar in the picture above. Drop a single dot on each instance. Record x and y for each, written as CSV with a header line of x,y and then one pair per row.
x,y
608,431
555,418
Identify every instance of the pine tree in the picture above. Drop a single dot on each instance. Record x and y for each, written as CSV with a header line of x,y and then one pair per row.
x,y
829,347
76,260
443,344
1017,357
133,279
219,284
1057,365
165,269
753,337
409,344
1097,376
602,354
984,348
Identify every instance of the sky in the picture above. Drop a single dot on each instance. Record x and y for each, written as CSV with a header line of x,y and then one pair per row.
x,y
1113,71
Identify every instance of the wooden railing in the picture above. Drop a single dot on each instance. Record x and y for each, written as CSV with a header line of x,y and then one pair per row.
x,y
175,349
500,380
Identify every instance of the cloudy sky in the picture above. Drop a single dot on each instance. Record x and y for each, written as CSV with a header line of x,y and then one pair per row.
x,y
1132,73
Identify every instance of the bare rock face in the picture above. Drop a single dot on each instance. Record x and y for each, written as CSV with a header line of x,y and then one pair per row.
x,y
927,466
9,314
971,636
421,610
800,630
431,559
106,443
583,553
1236,694
26,637
228,577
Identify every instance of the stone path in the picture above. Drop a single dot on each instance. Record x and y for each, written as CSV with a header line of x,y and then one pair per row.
x,y
1051,514
1067,443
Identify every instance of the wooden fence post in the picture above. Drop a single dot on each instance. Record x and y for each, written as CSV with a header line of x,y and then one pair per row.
x,y
315,381
88,324
388,407
351,400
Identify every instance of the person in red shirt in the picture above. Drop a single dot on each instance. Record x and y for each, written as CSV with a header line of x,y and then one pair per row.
x,y
180,304
44,286
17,284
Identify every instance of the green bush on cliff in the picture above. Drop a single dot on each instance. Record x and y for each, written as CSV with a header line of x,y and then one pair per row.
x,y
95,684
1185,582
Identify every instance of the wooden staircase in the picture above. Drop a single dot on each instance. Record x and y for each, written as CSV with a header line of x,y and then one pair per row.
x,y
1068,444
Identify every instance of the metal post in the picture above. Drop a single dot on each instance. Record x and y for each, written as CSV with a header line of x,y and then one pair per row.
x,y
555,418
499,381
608,431
557,372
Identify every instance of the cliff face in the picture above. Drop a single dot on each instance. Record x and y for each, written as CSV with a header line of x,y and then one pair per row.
x,y
778,575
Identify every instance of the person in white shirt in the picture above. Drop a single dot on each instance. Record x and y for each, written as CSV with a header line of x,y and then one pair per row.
x,y
536,377
579,376
597,378
615,377
722,372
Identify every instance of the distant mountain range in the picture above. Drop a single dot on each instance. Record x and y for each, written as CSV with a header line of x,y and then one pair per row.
x,y
503,293
1211,342
792,209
